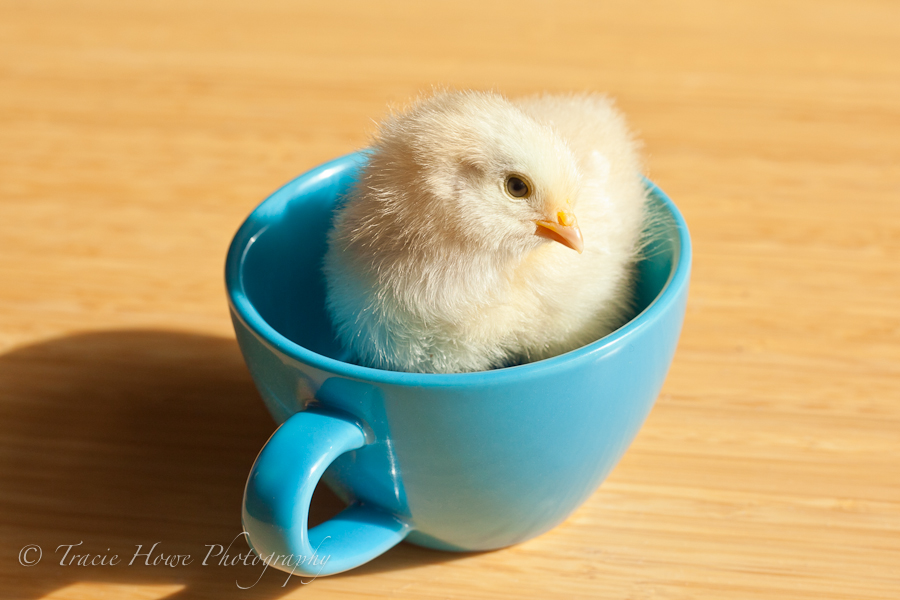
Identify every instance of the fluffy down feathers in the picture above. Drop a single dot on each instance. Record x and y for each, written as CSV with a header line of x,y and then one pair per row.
x,y
434,265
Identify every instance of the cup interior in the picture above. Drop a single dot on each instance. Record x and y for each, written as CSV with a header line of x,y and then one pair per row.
x,y
280,267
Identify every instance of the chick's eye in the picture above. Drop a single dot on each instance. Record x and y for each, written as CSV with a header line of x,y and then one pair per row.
x,y
517,187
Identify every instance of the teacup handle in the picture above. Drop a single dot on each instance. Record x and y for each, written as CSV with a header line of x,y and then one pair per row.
x,y
279,490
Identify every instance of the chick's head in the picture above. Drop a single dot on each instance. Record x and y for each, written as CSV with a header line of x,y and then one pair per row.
x,y
485,174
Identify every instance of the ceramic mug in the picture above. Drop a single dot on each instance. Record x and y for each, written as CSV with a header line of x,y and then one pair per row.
x,y
468,461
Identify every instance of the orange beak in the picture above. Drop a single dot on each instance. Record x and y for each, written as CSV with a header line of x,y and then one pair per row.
x,y
564,230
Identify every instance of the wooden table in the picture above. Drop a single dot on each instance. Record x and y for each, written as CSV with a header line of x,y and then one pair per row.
x,y
135,137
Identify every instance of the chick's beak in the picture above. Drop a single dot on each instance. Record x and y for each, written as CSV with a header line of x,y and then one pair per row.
x,y
564,230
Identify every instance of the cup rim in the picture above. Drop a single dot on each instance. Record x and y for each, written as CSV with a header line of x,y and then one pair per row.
x,y
263,215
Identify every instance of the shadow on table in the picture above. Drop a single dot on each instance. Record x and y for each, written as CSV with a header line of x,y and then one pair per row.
x,y
126,438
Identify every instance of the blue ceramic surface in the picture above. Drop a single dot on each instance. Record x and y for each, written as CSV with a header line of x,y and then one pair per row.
x,y
469,461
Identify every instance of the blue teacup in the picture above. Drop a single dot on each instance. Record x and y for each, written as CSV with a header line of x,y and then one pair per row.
x,y
469,461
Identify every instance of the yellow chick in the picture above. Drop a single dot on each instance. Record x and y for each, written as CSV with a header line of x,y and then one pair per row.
x,y
485,233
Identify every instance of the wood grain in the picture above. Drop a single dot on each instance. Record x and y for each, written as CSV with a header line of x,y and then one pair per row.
x,y
134,138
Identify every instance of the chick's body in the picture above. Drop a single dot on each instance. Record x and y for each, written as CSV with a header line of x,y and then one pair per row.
x,y
438,262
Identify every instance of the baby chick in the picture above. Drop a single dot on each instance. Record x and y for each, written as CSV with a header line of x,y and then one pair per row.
x,y
484,233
